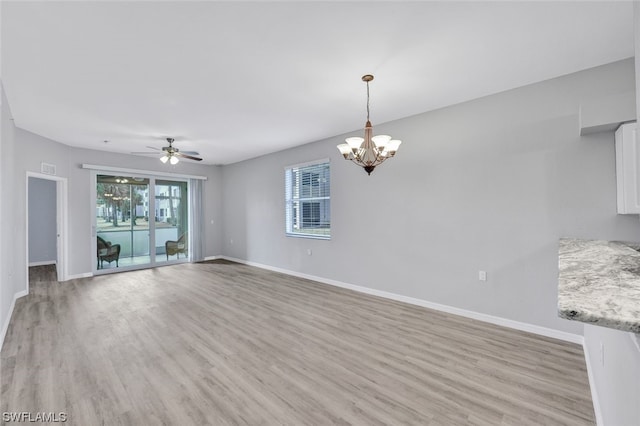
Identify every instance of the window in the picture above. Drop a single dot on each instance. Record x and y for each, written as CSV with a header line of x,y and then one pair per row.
x,y
308,201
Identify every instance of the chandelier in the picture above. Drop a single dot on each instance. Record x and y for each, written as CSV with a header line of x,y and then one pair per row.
x,y
370,151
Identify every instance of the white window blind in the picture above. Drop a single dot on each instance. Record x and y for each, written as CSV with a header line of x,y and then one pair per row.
x,y
308,200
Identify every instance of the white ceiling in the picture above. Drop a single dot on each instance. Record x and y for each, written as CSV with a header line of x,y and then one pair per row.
x,y
235,80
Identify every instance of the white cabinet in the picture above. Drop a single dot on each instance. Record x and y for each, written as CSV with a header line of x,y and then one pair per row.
x,y
628,169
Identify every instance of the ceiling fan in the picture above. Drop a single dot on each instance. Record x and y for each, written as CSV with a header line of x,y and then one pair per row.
x,y
172,154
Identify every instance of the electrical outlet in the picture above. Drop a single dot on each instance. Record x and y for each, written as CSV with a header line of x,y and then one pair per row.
x,y
602,354
231,241
482,275
309,252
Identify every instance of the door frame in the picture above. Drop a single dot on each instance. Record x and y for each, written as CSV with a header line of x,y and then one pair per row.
x,y
61,224
153,177
94,228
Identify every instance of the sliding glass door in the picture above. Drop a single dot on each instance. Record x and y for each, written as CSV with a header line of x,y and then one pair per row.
x,y
136,230
172,220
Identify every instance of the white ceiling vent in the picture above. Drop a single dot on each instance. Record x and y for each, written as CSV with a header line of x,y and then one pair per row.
x,y
48,169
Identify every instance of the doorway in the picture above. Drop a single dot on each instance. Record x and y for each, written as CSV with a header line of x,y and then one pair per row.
x,y
46,223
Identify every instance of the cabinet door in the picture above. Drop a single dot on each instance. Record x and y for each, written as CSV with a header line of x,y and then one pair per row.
x,y
627,167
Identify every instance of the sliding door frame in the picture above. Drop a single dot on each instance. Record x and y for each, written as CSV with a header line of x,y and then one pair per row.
x,y
152,177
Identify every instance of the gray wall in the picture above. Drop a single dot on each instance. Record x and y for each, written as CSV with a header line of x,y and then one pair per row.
x,y
42,221
490,184
11,276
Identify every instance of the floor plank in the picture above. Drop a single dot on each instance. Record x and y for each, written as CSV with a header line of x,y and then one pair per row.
x,y
227,344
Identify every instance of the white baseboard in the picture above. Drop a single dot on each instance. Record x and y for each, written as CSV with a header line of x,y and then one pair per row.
x,y
592,385
73,277
212,258
42,263
543,331
7,320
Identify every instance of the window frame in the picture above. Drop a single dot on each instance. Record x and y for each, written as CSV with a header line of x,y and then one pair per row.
x,y
295,203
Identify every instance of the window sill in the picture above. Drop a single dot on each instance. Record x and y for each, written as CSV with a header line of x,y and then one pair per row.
x,y
311,236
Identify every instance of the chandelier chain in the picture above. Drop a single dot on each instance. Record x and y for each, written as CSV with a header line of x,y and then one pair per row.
x,y
367,101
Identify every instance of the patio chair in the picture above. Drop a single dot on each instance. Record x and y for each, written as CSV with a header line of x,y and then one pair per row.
x,y
107,252
176,247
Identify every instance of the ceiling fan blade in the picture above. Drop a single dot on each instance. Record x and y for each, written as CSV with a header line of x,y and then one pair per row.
x,y
181,154
144,153
153,147
190,152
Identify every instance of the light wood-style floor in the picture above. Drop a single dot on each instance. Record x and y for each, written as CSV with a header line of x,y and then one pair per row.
x,y
227,344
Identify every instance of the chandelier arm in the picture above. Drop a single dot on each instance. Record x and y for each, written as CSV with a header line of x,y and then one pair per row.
x,y
354,161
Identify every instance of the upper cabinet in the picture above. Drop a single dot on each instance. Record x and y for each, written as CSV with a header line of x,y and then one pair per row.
x,y
628,169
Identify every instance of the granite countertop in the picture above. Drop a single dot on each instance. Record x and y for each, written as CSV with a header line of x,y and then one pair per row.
x,y
599,283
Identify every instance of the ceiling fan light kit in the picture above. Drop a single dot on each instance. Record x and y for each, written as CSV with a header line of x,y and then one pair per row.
x,y
370,151
172,158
